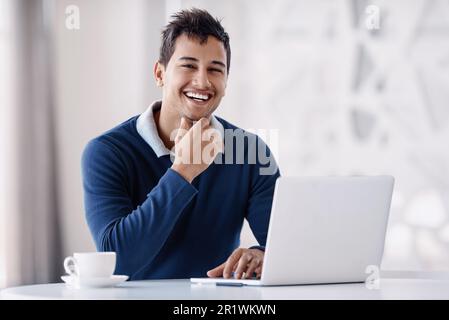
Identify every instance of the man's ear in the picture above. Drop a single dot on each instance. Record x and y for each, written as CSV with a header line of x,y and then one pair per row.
x,y
158,72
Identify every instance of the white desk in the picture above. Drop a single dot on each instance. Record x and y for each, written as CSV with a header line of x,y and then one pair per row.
x,y
398,286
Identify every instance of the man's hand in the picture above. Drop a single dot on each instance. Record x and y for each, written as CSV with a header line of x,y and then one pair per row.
x,y
243,262
195,148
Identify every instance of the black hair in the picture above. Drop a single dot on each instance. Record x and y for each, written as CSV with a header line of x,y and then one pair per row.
x,y
195,23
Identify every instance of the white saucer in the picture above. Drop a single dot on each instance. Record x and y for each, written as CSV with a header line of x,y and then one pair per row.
x,y
93,282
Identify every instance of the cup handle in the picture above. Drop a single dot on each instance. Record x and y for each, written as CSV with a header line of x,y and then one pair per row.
x,y
71,269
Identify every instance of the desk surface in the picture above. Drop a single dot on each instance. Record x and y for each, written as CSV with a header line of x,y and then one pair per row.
x,y
406,287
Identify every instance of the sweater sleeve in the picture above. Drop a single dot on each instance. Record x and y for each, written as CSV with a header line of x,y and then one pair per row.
x,y
135,234
264,174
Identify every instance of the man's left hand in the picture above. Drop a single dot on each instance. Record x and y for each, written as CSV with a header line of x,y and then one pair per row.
x,y
243,262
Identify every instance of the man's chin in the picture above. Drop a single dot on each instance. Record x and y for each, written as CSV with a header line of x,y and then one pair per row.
x,y
196,117
195,113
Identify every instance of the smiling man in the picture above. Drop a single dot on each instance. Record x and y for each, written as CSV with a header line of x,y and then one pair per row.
x,y
169,199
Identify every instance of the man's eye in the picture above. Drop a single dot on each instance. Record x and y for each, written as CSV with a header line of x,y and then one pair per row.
x,y
216,70
188,66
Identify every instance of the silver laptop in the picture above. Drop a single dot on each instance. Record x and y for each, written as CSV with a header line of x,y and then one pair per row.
x,y
323,230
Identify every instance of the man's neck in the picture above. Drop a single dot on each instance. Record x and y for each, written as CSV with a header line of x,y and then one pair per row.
x,y
165,124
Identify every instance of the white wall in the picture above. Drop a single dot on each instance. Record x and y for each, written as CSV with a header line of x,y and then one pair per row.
x,y
8,90
103,77
346,100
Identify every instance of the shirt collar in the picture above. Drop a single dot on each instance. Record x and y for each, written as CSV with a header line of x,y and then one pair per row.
x,y
146,127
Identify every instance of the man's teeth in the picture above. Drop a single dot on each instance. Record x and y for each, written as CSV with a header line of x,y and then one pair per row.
x,y
197,96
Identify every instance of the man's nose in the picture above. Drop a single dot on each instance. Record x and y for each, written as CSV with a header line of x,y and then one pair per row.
x,y
201,80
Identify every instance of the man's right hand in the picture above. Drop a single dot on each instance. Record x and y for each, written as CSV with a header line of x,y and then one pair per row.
x,y
195,148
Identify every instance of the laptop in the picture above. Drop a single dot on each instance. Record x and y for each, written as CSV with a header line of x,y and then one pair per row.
x,y
323,230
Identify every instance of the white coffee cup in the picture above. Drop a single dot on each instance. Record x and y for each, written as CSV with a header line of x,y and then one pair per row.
x,y
90,264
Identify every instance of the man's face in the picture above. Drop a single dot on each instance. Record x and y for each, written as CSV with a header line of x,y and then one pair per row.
x,y
194,80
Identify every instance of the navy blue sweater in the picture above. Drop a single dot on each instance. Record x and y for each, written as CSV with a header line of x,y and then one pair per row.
x,y
160,225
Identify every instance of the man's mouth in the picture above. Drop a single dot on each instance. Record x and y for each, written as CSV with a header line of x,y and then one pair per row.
x,y
198,97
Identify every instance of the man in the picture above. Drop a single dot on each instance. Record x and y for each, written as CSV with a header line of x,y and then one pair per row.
x,y
180,218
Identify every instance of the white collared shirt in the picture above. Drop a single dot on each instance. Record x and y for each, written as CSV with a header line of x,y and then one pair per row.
x,y
146,127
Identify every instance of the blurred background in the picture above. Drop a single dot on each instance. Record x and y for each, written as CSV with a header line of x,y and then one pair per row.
x,y
353,86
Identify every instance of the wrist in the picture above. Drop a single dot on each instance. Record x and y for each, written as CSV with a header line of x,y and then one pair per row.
x,y
261,248
182,172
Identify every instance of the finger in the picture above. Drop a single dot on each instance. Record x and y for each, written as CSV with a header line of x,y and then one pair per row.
x,y
243,263
233,270
212,145
198,129
184,127
205,122
254,263
231,262
258,271
218,146
211,134
217,271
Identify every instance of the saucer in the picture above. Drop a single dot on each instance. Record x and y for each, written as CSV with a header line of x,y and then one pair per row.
x,y
94,282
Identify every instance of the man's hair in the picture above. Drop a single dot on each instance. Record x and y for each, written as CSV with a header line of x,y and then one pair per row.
x,y
195,23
